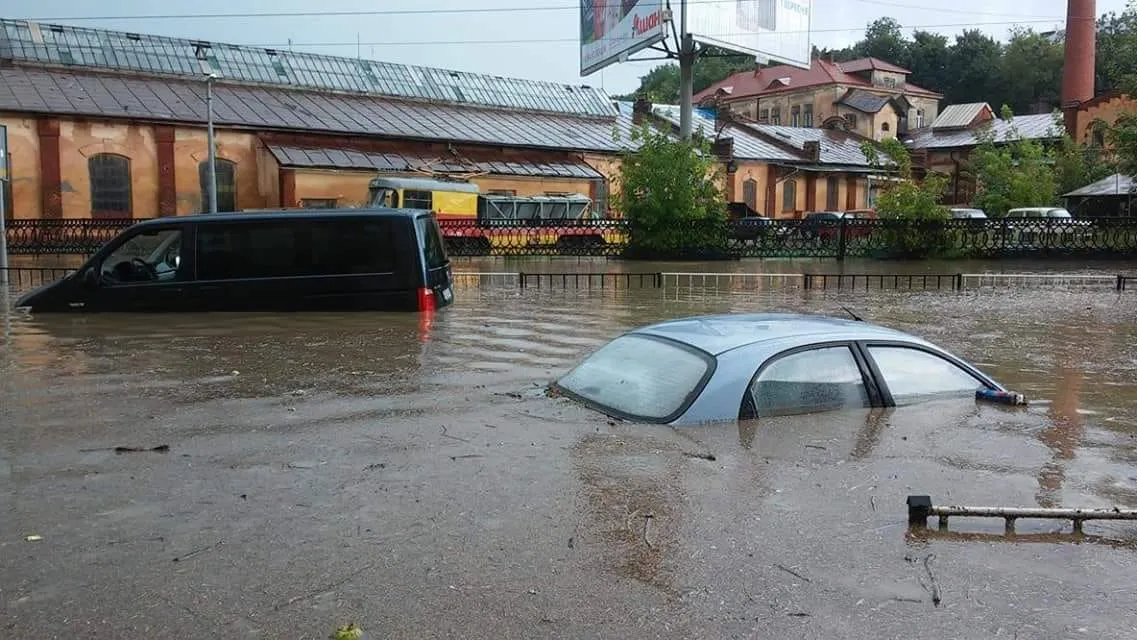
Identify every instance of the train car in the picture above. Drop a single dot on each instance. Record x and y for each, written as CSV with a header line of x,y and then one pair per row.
x,y
475,224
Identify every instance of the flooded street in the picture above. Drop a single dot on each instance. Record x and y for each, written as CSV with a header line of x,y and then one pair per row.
x,y
409,474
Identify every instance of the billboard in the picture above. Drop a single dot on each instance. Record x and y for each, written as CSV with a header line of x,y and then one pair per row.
x,y
613,29
773,29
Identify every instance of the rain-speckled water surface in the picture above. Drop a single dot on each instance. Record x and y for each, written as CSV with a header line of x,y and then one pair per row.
x,y
409,473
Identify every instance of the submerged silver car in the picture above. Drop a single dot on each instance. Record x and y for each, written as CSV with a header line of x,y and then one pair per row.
x,y
731,367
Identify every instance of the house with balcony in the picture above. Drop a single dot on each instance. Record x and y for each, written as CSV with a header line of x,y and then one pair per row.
x,y
868,97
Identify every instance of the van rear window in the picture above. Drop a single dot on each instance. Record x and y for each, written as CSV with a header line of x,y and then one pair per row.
x,y
431,242
295,248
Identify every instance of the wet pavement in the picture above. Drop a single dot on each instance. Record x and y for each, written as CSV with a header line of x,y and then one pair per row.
x,y
411,476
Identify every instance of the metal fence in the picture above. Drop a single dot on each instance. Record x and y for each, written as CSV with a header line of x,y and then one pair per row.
x,y
855,238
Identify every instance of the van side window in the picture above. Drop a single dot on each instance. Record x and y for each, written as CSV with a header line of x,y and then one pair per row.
x,y
295,248
149,256
417,200
342,247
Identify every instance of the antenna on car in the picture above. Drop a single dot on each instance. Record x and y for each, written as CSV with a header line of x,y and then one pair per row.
x,y
850,312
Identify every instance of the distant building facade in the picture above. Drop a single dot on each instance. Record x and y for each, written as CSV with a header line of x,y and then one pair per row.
x,y
868,97
946,145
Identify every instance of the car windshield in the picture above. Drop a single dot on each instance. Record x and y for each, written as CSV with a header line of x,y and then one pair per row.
x,y
639,377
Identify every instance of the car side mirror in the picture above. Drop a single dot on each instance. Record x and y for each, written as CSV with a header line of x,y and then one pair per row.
x,y
90,277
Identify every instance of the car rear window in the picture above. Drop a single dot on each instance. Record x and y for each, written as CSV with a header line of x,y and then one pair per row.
x,y
639,377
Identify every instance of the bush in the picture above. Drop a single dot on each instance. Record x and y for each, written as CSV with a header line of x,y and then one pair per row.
x,y
670,196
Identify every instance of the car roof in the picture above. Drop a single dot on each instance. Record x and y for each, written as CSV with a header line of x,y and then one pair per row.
x,y
716,334
289,214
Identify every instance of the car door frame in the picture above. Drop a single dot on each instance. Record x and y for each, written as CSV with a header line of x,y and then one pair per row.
x,y
156,296
882,384
869,375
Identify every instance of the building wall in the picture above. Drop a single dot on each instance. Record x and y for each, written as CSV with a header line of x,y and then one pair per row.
x,y
877,123
23,155
79,141
1106,110
930,106
191,149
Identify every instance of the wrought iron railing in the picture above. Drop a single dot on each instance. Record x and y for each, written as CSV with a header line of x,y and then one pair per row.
x,y
63,236
856,238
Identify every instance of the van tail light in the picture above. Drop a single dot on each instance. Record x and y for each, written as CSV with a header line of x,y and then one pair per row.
x,y
426,299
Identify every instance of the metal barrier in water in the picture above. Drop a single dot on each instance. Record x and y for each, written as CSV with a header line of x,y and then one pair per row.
x,y
950,281
1029,280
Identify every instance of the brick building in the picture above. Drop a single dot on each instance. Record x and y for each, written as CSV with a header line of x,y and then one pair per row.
x,y
869,97
111,124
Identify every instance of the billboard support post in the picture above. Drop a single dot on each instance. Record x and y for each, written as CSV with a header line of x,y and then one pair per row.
x,y
687,56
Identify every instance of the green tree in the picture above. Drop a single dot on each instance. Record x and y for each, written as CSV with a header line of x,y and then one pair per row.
x,y
661,84
974,70
906,198
929,59
1116,59
1031,70
1123,138
884,39
1013,172
670,196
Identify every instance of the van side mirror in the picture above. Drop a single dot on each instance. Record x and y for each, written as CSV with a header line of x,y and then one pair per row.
x,y
89,277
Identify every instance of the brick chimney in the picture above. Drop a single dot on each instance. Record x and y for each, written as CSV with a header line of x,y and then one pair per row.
x,y
723,148
641,110
1078,60
812,149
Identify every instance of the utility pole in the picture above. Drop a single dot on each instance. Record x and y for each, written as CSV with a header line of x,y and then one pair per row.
x,y
687,56
212,182
4,182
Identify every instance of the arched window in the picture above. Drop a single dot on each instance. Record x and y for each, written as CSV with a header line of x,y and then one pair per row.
x,y
110,185
789,195
832,191
226,185
750,193
884,127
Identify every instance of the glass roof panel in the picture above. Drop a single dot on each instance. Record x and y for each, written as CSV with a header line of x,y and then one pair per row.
x,y
40,43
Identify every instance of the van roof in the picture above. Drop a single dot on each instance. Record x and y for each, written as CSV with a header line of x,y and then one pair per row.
x,y
290,214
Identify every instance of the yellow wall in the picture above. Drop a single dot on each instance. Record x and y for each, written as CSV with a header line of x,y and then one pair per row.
x,y
348,188
530,186
23,150
79,141
191,149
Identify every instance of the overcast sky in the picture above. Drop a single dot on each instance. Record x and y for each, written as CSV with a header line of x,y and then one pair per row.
x,y
536,44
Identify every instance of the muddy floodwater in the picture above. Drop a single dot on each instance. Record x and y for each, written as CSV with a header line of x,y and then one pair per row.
x,y
410,475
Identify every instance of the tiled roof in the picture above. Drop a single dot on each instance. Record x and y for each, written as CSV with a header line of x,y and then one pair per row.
x,y
864,101
870,64
782,78
68,92
77,47
1035,127
960,116
327,158
747,145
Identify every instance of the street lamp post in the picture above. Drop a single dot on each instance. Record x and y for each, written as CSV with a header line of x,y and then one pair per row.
x,y
212,182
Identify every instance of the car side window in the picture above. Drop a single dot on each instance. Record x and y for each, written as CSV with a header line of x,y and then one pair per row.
x,y
913,374
821,379
147,256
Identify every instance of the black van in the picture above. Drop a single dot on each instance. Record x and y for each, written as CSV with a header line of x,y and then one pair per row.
x,y
376,259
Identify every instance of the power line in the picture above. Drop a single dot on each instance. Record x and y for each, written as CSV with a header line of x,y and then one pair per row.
x,y
163,46
465,10
410,43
